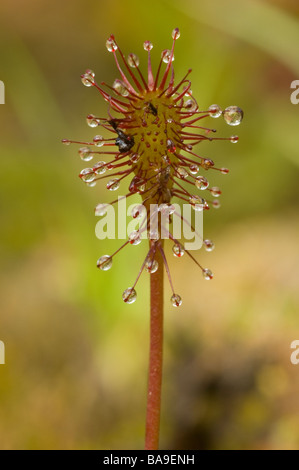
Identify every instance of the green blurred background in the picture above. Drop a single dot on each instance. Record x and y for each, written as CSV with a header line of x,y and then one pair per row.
x,y
76,355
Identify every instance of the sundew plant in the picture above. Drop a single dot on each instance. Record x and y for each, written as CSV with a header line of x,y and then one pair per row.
x,y
154,126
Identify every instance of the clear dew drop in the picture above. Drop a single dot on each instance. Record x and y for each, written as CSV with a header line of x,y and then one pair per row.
x,y
176,300
100,209
197,203
66,142
88,78
234,139
100,168
138,211
134,237
87,175
224,171
151,266
166,56
85,154
178,250
136,184
134,157
166,209
207,274
191,105
153,234
182,173
120,87
201,183
147,46
215,111
209,245
92,121
170,146
98,141
207,163
194,169
216,204
91,184
111,44
133,60
175,33
104,263
215,191
113,184
129,295
233,115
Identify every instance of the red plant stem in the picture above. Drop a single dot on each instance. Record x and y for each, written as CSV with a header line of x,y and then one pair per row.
x,y
156,357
